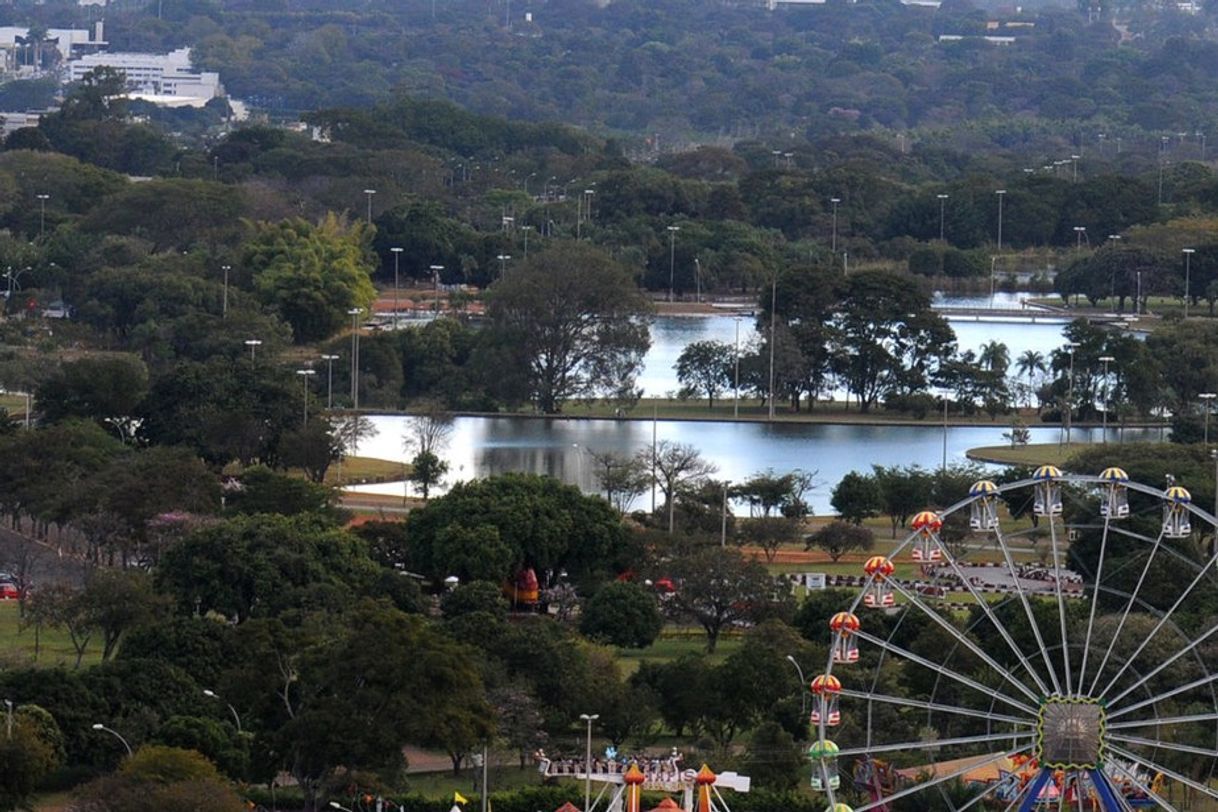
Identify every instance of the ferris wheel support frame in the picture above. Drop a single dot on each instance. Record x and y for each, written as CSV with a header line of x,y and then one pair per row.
x,y
1109,797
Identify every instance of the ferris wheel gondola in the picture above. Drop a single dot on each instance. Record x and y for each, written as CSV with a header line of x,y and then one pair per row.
x,y
1061,703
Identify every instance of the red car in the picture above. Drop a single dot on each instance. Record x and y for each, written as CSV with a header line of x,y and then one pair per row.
x,y
8,591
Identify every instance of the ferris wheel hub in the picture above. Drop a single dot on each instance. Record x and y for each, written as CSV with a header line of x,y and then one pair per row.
x,y
1070,733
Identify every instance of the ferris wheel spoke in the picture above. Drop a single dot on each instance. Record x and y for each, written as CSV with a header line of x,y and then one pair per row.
x,y
1150,793
1162,745
1027,609
947,672
989,613
1165,664
1095,602
1133,596
1061,605
1165,721
964,640
1167,771
937,707
883,802
1197,683
976,799
1162,622
1024,790
936,744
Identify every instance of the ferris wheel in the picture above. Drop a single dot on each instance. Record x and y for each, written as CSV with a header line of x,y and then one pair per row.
x,y
1047,644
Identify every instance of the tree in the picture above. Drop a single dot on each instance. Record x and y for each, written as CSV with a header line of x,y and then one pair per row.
x,y
677,467
623,614
705,366
577,321
771,532
30,750
773,760
60,606
353,429
427,435
265,564
105,389
623,478
903,492
313,274
856,497
161,779
311,448
476,596
116,602
767,492
1031,363
716,587
265,491
839,538
493,528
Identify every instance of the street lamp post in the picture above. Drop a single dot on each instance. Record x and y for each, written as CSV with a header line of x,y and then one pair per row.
x,y
435,275
1074,161
305,374
803,687
329,359
503,258
1138,304
736,379
253,344
589,718
942,214
210,694
672,258
116,734
1107,359
833,242
1207,398
1001,194
397,255
224,307
370,193
1079,231
1070,393
1188,257
354,314
8,716
42,213
526,230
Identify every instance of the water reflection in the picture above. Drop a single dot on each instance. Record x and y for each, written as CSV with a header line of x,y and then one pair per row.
x,y
482,446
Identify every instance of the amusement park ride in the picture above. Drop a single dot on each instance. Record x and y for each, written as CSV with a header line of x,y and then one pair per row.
x,y
624,782
1058,719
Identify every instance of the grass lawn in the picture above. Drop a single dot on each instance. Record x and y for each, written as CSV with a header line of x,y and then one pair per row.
x,y
1031,454
359,470
444,784
54,645
671,644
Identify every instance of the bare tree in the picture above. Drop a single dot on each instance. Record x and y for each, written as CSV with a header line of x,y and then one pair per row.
x,y
622,478
677,467
351,430
426,436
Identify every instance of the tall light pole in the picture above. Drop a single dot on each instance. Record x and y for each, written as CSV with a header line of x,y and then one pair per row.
x,y
116,734
329,359
1138,304
1070,393
42,213
210,694
503,258
305,374
589,718
526,230
1207,398
253,344
672,258
1107,359
1079,231
803,686
833,241
435,276
370,193
942,215
1188,257
1074,162
8,716
354,314
588,205
736,382
1001,194
397,255
773,322
224,307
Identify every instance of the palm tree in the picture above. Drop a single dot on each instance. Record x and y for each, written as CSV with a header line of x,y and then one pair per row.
x,y
1029,363
995,357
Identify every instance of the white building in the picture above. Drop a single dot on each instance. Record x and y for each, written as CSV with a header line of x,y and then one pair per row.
x,y
156,75
58,45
